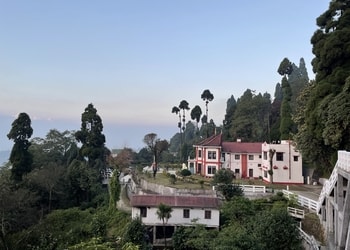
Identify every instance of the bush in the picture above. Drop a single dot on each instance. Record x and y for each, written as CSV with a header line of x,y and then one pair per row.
x,y
185,172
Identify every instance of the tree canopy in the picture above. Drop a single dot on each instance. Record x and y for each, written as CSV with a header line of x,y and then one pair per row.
x,y
20,157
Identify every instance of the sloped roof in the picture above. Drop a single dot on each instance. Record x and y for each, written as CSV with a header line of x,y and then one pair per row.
x,y
242,147
174,201
214,140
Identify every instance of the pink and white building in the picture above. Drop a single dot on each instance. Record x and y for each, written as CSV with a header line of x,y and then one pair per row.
x,y
248,160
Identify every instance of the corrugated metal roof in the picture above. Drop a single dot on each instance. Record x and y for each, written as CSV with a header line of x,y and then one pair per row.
x,y
174,201
242,147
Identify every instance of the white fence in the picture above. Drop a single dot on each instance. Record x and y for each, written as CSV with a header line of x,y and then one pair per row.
x,y
310,240
249,188
298,213
302,200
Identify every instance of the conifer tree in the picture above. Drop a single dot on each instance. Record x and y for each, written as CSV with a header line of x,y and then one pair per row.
x,y
20,158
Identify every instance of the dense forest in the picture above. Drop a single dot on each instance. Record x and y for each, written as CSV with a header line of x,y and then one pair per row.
x,y
52,195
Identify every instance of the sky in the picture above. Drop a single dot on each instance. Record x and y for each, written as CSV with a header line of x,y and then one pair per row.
x,y
136,59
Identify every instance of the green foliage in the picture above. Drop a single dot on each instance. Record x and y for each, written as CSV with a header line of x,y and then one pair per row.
x,y
136,233
114,190
231,106
95,243
185,172
332,67
223,176
286,125
229,191
91,137
277,230
20,157
312,226
251,118
285,67
195,238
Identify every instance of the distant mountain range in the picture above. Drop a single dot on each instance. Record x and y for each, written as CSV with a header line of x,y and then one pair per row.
x,y
4,156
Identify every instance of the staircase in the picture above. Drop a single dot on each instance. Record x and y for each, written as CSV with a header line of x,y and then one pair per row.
x,y
343,163
328,186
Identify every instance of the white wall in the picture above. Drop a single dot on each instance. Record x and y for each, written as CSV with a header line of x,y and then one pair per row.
x,y
293,173
177,217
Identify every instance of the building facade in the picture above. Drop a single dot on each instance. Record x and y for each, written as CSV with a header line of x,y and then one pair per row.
x,y
248,160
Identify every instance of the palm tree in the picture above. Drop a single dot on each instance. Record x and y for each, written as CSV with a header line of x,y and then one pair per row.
x,y
176,110
207,96
196,114
184,106
164,213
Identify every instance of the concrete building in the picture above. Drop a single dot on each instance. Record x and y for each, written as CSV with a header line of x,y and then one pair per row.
x,y
188,210
248,160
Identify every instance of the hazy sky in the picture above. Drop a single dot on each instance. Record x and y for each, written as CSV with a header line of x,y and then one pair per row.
x,y
135,60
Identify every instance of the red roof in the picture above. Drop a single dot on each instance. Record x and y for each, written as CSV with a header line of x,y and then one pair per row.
x,y
242,147
214,140
174,201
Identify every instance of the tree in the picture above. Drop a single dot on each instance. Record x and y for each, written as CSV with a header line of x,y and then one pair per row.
x,y
164,214
156,146
276,229
231,106
286,125
207,96
176,110
196,114
331,67
114,189
92,138
48,179
251,118
136,233
20,158
285,67
184,106
223,176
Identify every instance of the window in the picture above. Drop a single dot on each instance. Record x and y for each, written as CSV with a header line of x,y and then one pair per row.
x,y
279,156
296,158
143,211
265,174
207,214
259,156
212,155
265,155
199,153
250,171
237,157
199,168
251,157
211,169
186,213
237,171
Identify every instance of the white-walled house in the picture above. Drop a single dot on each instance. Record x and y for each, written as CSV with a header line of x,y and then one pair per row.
x,y
188,210
286,163
243,158
248,160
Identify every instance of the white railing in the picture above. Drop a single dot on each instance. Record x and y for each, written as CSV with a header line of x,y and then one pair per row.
x,y
249,188
328,186
310,239
253,189
298,213
344,160
301,200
